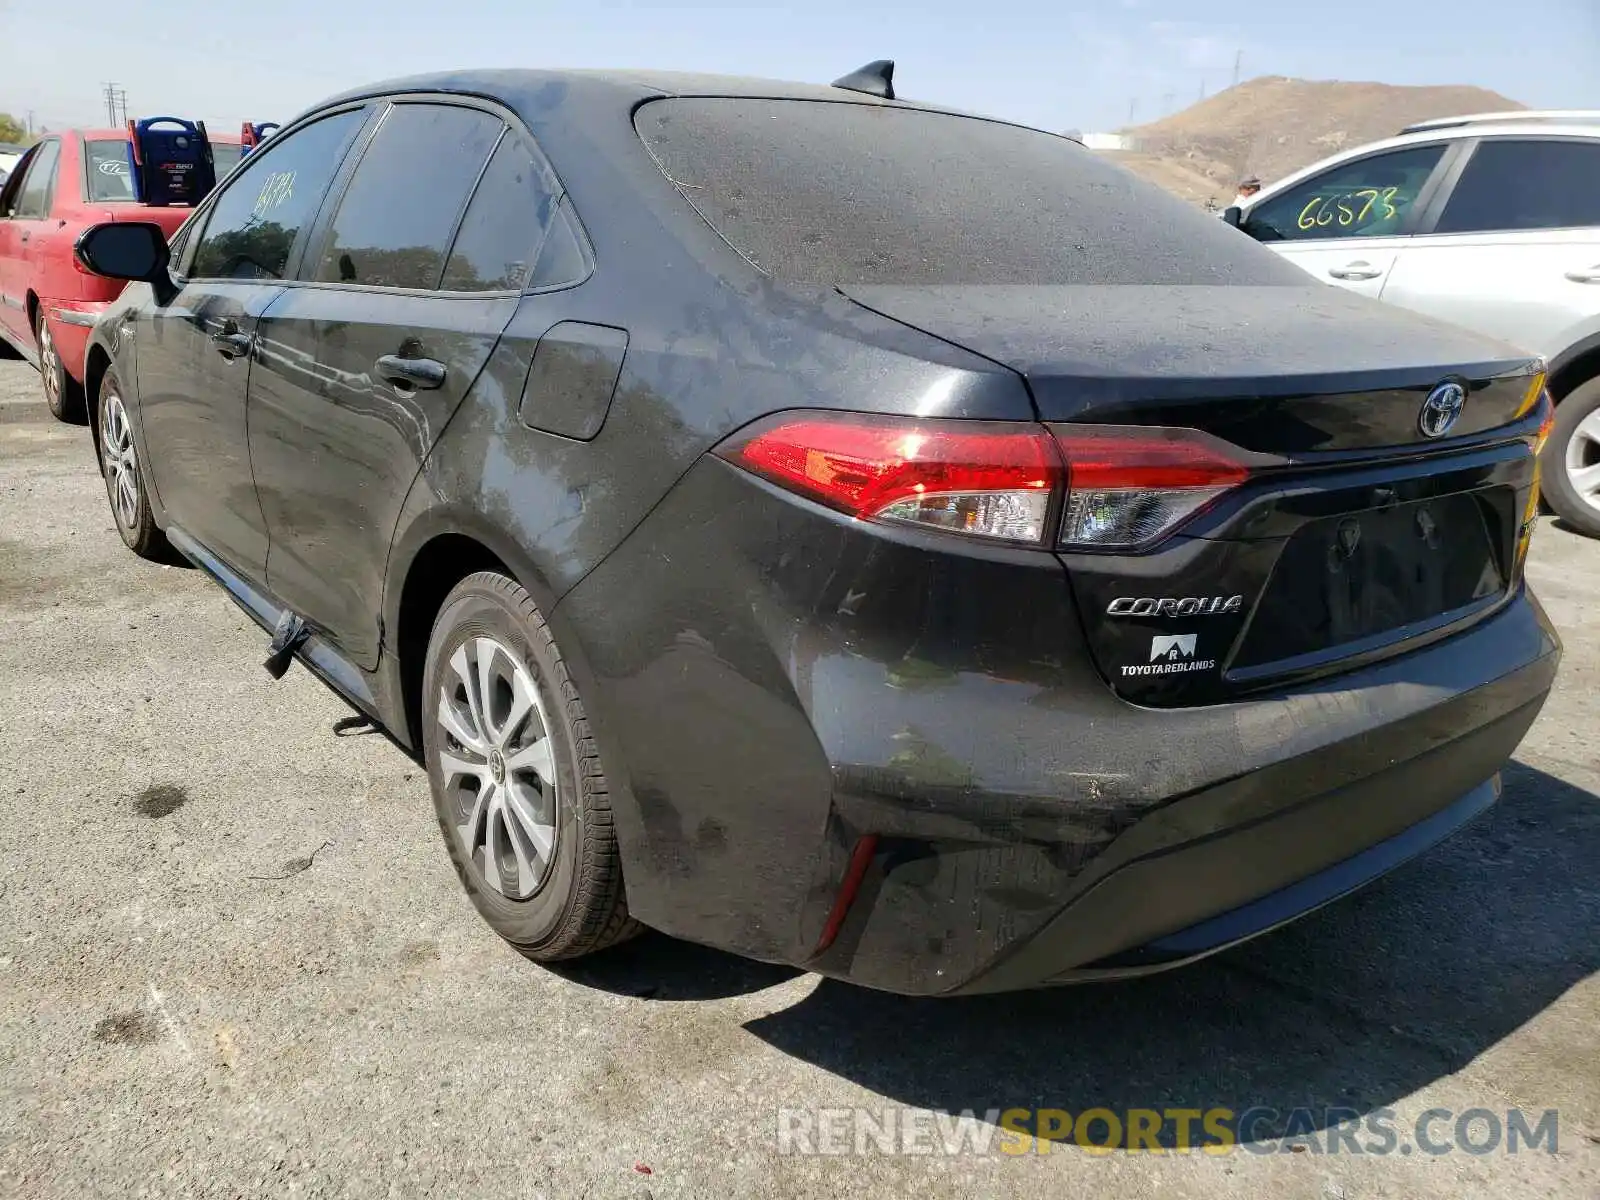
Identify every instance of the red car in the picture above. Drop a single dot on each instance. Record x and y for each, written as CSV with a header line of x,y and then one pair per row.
x,y
67,182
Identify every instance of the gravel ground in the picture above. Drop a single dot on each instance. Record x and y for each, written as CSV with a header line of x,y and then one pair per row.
x,y
234,960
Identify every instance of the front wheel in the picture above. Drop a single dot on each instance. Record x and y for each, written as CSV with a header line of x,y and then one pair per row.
x,y
1569,466
124,476
62,392
518,785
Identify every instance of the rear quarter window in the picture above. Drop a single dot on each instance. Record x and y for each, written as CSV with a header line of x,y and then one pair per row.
x,y
850,193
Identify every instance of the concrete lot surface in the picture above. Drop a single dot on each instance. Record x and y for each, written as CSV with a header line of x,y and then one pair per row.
x,y
234,960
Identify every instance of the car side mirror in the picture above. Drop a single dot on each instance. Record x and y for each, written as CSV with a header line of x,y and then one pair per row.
x,y
1233,215
135,250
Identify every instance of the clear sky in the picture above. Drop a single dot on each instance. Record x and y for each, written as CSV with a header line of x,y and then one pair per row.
x,y
1057,65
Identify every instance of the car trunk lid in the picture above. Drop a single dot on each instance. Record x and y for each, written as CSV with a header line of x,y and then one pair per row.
x,y
1365,527
1276,368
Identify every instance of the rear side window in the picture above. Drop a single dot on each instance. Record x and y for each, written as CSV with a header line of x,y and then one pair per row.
x,y
109,176
1370,197
39,184
842,193
1511,185
253,225
512,207
394,225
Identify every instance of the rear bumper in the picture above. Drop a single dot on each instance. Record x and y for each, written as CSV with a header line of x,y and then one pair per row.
x,y
944,912
71,322
1211,892
1293,900
854,750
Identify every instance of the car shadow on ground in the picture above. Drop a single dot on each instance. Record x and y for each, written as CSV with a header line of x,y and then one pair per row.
x,y
1567,527
1354,1007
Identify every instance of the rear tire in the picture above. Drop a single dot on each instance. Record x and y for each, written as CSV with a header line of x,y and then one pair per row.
x,y
62,393
1569,466
518,786
123,474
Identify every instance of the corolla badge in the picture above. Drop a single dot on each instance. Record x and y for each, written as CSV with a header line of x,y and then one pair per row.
x,y
1442,409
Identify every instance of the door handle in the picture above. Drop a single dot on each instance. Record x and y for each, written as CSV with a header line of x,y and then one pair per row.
x,y
232,344
1355,270
409,374
1592,275
24,236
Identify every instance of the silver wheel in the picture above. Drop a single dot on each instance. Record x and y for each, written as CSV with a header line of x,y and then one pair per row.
x,y
498,769
1583,460
121,461
49,366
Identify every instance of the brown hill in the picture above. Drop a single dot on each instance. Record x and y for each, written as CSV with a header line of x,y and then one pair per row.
x,y
1272,126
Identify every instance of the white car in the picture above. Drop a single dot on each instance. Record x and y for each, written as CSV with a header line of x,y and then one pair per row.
x,y
1491,222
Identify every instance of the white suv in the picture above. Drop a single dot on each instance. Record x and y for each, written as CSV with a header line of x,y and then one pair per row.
x,y
1492,222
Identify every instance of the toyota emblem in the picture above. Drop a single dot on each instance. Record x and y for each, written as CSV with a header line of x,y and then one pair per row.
x,y
1442,409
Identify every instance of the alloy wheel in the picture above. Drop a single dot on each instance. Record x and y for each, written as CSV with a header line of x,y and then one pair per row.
x,y
49,366
498,768
1583,460
120,458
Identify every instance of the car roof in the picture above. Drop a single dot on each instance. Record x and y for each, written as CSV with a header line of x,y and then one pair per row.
x,y
625,86
1432,133
115,135
537,95
1562,116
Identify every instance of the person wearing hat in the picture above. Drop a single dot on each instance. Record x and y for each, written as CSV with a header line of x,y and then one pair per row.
x,y
1248,187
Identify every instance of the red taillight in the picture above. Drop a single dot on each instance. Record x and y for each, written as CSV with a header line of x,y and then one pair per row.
x,y
988,479
1122,486
1130,485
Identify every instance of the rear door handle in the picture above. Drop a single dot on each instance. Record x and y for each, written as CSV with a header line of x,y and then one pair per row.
x,y
231,344
410,373
1355,270
1592,275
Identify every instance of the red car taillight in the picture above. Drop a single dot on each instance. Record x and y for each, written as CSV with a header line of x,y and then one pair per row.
x,y
1118,487
987,479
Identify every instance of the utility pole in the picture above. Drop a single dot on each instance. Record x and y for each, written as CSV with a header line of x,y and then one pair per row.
x,y
116,102
1166,103
1238,62
30,124
1133,107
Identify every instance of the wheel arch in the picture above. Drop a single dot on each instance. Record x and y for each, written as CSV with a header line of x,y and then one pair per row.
x,y
1575,366
430,555
97,362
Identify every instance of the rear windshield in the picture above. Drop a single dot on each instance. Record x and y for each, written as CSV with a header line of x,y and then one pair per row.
x,y
109,173
110,176
850,193
225,157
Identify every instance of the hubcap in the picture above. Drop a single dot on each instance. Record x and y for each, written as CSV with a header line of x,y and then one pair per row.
x,y
49,362
121,463
1583,459
499,772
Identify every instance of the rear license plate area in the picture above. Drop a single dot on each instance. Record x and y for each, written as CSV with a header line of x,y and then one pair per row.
x,y
1354,578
